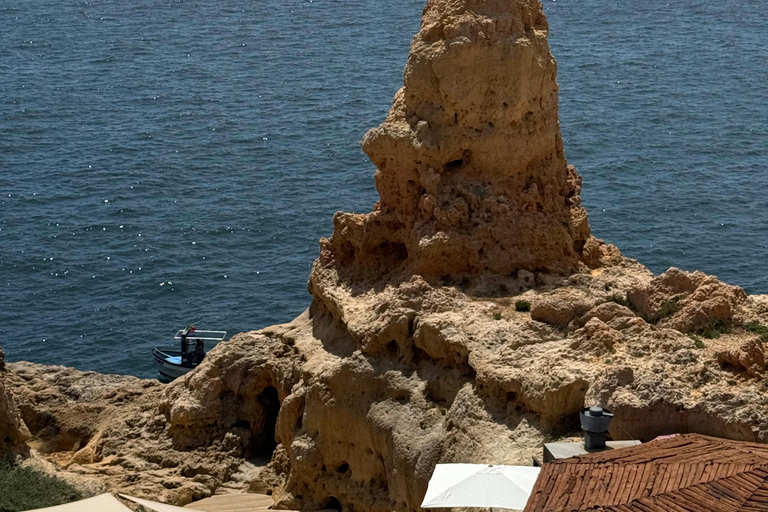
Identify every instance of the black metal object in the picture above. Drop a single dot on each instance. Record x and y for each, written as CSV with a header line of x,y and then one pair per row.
x,y
595,422
189,357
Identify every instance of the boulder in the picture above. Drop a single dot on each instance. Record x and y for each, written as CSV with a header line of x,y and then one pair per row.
x,y
687,301
561,306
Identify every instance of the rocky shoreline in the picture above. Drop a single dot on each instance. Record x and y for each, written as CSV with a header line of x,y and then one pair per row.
x,y
414,350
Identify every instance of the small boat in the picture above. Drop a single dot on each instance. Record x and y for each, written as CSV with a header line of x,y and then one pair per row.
x,y
177,361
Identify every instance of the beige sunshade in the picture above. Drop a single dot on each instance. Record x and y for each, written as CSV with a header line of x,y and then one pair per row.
x,y
153,505
101,503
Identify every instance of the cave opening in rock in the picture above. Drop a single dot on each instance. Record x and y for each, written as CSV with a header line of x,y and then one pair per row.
x,y
264,443
453,165
333,503
390,254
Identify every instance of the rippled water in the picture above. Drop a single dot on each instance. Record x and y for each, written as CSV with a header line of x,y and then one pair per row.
x,y
163,163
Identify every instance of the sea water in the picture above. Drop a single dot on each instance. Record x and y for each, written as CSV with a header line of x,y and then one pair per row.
x,y
172,162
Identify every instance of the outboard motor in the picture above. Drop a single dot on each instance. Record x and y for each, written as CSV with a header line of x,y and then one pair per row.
x,y
199,351
595,422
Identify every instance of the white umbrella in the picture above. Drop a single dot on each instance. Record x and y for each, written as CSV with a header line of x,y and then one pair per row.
x,y
480,485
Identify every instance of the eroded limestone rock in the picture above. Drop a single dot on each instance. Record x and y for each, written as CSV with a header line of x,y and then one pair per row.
x,y
470,166
687,301
561,306
745,355
13,431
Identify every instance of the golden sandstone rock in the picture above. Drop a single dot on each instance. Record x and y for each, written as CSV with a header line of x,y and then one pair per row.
x,y
13,431
413,351
470,164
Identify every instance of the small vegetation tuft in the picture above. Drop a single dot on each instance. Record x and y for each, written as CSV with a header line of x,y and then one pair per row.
x,y
696,341
618,299
25,489
522,305
715,328
758,328
669,308
497,316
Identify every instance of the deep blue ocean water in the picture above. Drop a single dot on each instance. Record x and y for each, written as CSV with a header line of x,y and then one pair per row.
x,y
170,162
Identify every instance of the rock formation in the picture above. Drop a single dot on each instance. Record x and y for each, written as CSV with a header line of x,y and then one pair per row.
x,y
466,319
470,164
13,431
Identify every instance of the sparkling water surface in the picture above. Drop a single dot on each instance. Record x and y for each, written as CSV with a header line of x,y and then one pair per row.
x,y
163,163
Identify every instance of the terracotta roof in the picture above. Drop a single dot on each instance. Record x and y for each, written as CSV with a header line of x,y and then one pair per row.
x,y
689,473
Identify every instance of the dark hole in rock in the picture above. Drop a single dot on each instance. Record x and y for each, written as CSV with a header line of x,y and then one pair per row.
x,y
242,424
333,503
343,468
264,443
7,439
390,254
453,165
392,348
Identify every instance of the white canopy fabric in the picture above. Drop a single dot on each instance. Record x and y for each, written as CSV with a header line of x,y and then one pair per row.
x,y
153,505
101,503
480,485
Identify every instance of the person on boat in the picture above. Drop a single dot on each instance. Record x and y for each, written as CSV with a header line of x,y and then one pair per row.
x,y
185,345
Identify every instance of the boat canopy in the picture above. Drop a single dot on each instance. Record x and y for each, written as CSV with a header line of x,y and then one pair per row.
x,y
201,335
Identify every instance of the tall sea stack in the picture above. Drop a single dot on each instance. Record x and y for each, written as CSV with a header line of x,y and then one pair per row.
x,y
470,165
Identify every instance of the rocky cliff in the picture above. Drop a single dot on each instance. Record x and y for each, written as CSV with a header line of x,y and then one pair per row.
x,y
467,318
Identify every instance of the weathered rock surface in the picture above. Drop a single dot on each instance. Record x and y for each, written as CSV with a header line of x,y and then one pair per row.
x,y
413,351
108,432
687,301
356,409
13,432
470,166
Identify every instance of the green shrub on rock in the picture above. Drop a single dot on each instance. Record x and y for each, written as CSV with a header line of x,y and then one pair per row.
x,y
618,299
23,488
696,341
758,328
715,328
